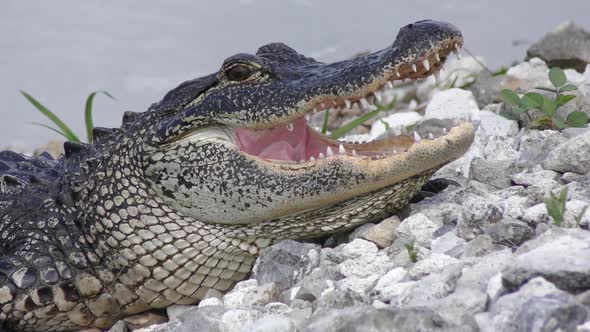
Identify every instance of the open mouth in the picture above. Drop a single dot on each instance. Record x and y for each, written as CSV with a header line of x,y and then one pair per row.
x,y
298,142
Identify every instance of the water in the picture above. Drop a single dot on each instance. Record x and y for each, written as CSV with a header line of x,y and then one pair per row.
x,y
59,51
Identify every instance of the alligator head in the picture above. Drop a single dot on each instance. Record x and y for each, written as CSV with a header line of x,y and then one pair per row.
x,y
238,148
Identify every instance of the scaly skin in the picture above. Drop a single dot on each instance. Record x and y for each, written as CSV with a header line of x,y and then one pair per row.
x,y
169,206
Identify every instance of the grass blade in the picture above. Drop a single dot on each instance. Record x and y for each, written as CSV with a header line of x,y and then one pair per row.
x,y
360,120
64,129
325,124
88,112
50,128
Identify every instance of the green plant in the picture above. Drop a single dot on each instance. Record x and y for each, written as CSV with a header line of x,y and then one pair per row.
x,y
548,106
347,127
62,128
555,205
412,252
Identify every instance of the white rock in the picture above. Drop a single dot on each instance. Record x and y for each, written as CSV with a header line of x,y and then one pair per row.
x,y
390,278
529,74
435,263
357,248
419,228
357,284
395,121
495,289
446,243
452,104
496,125
273,323
536,214
366,266
212,301
237,319
398,293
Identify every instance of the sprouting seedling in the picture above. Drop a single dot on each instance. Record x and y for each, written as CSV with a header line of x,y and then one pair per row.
x,y
547,105
412,252
62,128
555,205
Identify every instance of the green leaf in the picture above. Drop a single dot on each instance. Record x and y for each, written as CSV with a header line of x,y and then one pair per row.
x,y
568,87
563,99
577,119
532,100
510,97
548,106
519,110
362,119
556,206
63,128
558,122
50,128
325,123
546,89
501,71
557,77
88,112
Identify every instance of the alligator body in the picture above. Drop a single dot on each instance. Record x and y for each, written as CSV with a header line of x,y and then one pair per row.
x,y
182,197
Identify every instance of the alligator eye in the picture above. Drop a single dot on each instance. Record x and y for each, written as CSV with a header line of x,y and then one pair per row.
x,y
238,73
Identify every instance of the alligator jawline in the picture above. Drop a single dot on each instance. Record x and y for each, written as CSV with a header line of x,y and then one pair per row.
x,y
298,142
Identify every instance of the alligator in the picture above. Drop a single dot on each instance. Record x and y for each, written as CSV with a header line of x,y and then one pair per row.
x,y
182,198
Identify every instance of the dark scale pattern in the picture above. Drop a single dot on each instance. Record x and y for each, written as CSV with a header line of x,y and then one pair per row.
x,y
165,208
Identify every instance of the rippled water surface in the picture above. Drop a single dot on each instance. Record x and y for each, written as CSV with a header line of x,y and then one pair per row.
x,y
59,51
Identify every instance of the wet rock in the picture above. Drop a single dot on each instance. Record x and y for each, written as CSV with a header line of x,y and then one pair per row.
x,y
571,156
562,260
419,228
510,232
286,263
452,104
537,306
382,234
568,46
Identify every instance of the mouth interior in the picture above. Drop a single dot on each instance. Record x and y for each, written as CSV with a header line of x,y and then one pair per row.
x,y
299,142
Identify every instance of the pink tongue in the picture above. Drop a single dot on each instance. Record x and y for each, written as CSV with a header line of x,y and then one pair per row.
x,y
278,143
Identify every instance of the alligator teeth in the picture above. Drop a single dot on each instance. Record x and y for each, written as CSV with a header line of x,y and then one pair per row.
x,y
364,103
437,77
444,130
430,136
371,99
311,158
389,85
354,153
417,137
394,151
321,156
437,57
341,149
414,68
426,64
356,107
329,152
457,51
290,127
307,117
347,103
378,96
